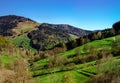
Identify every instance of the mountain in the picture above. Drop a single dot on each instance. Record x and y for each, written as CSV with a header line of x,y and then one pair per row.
x,y
12,25
67,28
49,35
40,36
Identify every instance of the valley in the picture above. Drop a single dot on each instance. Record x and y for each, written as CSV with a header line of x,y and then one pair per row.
x,y
32,52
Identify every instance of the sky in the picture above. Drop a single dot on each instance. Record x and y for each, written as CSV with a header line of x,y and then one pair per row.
x,y
85,14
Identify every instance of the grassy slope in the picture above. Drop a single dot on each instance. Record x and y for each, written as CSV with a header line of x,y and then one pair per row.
x,y
81,72
23,38
21,34
97,43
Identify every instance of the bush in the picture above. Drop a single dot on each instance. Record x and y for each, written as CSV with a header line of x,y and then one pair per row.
x,y
109,77
68,78
108,71
5,43
56,61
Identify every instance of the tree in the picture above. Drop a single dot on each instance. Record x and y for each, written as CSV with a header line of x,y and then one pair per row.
x,y
74,43
116,27
57,61
82,41
85,48
99,34
112,32
78,52
64,47
94,36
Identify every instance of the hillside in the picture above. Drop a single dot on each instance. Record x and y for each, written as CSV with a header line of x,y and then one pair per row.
x,y
67,29
12,25
96,61
84,64
79,65
93,61
40,36
50,35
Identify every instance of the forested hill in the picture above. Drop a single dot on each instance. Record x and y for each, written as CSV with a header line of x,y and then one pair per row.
x,y
50,35
66,28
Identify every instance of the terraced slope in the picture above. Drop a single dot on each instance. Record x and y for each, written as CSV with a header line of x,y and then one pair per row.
x,y
79,73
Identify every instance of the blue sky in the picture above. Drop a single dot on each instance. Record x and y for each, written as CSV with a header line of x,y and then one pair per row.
x,y
85,14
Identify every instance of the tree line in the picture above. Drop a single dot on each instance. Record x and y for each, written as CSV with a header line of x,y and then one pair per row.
x,y
115,30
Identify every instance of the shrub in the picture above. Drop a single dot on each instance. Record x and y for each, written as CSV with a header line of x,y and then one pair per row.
x,y
5,43
57,61
71,65
68,78
108,71
109,77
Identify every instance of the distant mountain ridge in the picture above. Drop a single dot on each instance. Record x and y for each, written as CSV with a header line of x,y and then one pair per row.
x,y
67,28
